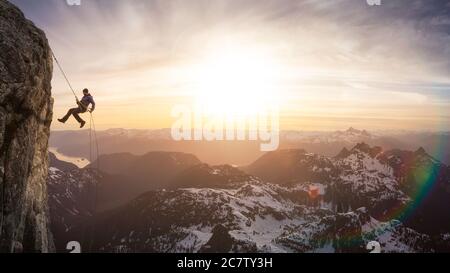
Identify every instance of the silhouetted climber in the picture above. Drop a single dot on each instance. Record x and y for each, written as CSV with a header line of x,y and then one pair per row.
x,y
82,108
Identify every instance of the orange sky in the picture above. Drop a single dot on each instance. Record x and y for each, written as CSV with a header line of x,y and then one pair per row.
x,y
329,65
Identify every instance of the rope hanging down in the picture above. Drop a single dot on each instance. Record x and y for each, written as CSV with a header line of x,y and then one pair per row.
x,y
92,129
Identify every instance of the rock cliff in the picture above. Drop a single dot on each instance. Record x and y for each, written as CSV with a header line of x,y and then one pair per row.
x,y
25,117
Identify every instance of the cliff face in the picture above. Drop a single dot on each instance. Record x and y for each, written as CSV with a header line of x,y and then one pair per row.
x,y
25,117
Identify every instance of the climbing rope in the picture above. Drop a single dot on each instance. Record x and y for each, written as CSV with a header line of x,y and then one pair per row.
x,y
91,129
64,74
92,126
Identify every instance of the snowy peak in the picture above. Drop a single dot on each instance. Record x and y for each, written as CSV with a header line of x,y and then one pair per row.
x,y
366,148
353,131
367,181
358,149
350,135
402,160
364,159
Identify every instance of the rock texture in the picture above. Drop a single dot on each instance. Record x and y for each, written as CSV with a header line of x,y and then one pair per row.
x,y
25,117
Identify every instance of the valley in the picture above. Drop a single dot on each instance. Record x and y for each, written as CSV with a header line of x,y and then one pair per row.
x,y
286,201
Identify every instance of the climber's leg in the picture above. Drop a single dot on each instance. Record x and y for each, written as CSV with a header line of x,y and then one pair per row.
x,y
69,113
74,112
76,116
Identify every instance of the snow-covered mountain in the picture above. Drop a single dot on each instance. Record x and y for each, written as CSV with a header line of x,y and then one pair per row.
x,y
71,202
351,135
427,181
256,217
287,201
364,181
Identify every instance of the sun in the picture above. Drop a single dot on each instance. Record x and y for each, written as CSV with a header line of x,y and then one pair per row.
x,y
236,81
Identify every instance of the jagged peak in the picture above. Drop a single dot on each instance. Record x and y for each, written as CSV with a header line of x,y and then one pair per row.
x,y
357,131
343,153
366,148
353,130
421,151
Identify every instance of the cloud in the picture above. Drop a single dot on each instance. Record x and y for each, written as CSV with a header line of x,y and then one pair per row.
x,y
132,50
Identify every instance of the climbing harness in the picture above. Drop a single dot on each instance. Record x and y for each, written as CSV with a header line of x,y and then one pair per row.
x,y
92,133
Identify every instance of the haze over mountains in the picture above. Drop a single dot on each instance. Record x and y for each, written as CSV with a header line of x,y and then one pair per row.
x,y
320,192
241,153
285,201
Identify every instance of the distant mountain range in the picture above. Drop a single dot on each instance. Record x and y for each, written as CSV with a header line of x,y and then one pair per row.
x,y
285,201
139,142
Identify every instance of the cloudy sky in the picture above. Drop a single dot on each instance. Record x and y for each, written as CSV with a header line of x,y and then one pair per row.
x,y
330,64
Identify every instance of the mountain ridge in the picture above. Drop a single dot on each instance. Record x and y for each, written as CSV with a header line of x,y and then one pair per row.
x,y
260,216
73,143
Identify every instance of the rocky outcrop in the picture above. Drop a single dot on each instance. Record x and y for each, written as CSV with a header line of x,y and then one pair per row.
x,y
220,241
25,117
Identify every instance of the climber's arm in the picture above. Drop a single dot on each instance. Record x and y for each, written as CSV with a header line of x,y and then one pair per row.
x,y
93,105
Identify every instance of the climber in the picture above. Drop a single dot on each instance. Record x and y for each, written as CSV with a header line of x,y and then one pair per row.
x,y
82,108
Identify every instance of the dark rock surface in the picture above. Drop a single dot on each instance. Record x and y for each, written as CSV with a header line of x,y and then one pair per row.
x,y
25,117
